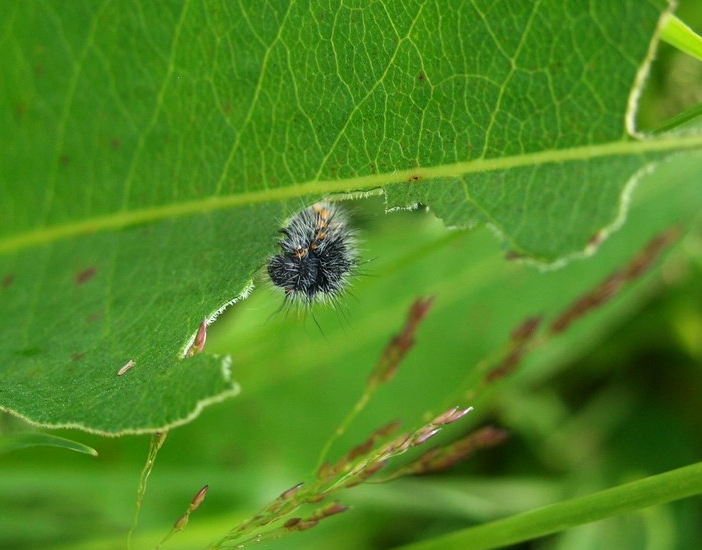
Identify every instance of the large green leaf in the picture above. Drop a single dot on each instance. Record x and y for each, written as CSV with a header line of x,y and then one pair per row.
x,y
150,151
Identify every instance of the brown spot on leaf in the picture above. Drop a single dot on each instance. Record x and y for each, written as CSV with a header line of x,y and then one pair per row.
x,y
7,280
77,356
94,317
85,275
116,143
21,109
65,160
421,77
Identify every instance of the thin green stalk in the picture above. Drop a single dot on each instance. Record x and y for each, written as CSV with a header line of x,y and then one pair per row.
x,y
157,441
629,497
680,36
341,429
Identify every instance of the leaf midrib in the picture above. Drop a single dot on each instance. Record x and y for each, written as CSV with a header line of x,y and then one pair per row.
x,y
358,186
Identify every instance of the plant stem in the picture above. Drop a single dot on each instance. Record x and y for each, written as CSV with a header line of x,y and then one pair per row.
x,y
680,36
629,497
157,441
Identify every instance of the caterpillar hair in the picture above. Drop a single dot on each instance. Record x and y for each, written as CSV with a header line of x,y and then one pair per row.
x,y
318,255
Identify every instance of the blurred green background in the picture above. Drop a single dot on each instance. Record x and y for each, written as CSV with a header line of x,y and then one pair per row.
x,y
615,398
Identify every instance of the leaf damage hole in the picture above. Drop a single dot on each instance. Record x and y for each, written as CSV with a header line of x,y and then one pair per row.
x,y
196,343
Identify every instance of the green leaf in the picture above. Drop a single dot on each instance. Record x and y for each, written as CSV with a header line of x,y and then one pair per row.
x,y
150,152
21,441
658,489
678,34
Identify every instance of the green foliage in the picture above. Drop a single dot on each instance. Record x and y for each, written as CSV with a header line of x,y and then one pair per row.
x,y
21,441
148,150
151,152
679,35
681,483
